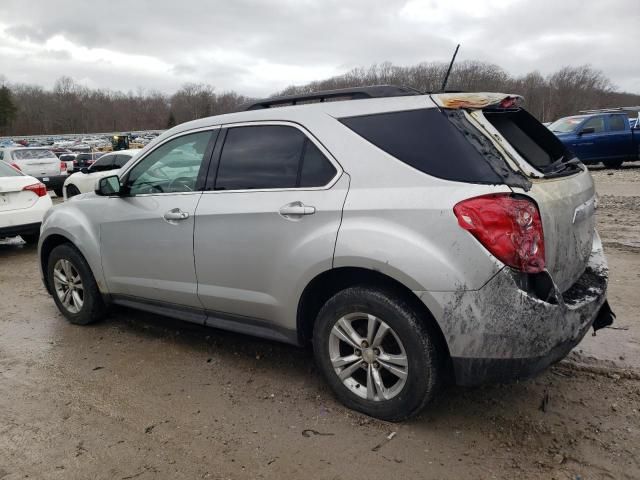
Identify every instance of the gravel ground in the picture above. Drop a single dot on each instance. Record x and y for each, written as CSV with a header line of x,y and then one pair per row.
x,y
139,396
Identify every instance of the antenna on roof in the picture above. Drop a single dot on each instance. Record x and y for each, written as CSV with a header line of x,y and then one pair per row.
x,y
446,77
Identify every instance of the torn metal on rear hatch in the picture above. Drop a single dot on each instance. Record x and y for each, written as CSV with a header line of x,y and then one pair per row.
x,y
477,100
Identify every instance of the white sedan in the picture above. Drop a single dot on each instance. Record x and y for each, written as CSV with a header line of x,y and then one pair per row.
x,y
85,180
23,203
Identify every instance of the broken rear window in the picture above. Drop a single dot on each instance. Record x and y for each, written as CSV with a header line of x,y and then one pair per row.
x,y
533,141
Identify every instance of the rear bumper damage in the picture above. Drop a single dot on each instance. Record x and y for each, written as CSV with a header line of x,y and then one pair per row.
x,y
512,329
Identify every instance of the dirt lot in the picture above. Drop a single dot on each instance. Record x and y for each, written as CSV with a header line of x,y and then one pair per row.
x,y
138,396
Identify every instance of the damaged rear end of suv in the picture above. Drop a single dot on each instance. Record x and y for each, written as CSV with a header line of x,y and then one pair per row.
x,y
552,288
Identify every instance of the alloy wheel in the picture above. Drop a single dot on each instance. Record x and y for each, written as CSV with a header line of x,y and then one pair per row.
x,y
68,285
368,356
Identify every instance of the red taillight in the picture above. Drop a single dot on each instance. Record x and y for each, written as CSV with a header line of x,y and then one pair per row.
x,y
38,188
510,228
15,165
63,167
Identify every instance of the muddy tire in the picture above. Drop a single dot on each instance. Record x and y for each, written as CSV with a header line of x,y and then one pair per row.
x,y
376,353
73,287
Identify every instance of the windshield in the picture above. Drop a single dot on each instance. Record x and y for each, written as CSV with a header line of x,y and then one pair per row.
x,y
32,154
565,125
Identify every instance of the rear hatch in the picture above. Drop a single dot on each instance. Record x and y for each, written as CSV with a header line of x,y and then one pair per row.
x,y
37,162
562,187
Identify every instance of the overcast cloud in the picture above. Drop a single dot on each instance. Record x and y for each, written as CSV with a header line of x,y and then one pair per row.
x,y
258,47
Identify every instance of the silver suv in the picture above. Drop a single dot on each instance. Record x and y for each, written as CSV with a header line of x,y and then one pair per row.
x,y
413,239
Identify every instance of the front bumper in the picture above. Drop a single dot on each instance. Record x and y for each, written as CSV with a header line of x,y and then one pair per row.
x,y
504,332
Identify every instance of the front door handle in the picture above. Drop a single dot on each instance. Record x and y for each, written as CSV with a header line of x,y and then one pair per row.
x,y
296,209
176,214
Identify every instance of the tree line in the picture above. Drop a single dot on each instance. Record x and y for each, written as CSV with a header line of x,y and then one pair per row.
x,y
70,107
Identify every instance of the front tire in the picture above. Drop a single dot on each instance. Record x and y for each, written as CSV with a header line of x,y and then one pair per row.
x,y
58,192
74,289
377,353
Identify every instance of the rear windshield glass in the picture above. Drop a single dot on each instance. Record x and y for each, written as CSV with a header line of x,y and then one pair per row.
x,y
30,154
426,140
8,171
532,140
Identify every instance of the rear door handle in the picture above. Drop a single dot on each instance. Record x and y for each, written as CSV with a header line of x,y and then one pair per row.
x,y
296,209
176,214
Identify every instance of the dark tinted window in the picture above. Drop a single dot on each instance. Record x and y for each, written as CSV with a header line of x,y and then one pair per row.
x,y
616,123
316,170
265,156
121,160
426,140
103,164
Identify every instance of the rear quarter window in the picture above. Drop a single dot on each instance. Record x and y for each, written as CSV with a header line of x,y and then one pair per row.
x,y
426,140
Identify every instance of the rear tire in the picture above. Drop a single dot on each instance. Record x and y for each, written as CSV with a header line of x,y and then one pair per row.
x,y
613,163
73,286
58,192
369,377
72,191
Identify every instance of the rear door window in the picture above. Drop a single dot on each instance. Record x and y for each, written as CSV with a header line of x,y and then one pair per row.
x,y
616,123
103,164
121,160
316,170
271,156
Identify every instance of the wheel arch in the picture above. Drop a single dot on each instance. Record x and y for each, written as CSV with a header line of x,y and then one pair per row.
x,y
328,283
47,246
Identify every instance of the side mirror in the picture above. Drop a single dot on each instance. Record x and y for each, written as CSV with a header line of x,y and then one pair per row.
x,y
587,130
84,169
108,186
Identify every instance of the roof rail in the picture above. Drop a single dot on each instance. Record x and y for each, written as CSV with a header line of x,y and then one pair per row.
x,y
375,91
612,110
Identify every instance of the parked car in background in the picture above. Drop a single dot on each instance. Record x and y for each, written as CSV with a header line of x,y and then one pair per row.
x,y
599,137
69,159
413,239
85,180
41,163
86,159
23,203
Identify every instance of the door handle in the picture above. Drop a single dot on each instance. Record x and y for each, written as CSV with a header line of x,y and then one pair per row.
x,y
296,209
176,214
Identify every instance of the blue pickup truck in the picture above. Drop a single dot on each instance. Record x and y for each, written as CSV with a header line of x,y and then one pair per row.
x,y
600,137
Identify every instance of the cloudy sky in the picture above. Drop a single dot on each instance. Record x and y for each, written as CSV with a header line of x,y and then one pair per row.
x,y
256,47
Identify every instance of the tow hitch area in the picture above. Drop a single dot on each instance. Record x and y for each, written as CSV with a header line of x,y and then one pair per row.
x,y
605,317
